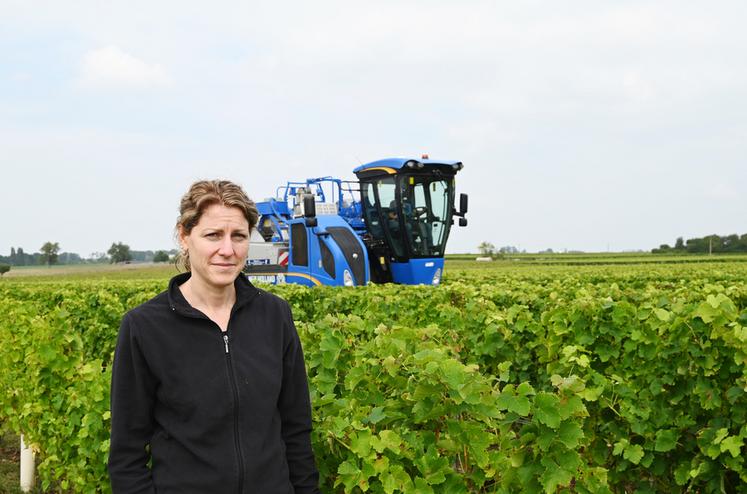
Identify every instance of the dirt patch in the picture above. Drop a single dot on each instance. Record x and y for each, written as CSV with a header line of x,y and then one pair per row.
x,y
10,459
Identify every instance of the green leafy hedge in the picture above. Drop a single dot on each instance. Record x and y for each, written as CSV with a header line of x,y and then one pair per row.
x,y
572,384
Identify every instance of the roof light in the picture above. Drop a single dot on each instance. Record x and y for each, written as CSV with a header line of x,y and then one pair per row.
x,y
424,156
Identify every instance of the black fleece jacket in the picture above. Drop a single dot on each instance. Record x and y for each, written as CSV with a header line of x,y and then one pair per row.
x,y
213,412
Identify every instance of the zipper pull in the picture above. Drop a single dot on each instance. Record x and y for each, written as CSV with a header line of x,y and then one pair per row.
x,y
225,341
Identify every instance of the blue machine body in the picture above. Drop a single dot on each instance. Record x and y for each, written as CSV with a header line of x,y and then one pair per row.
x,y
310,249
426,271
327,254
389,226
401,163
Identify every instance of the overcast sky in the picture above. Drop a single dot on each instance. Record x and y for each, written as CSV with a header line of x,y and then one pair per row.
x,y
590,125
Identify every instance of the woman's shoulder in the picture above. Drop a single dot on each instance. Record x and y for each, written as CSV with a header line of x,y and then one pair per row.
x,y
149,308
271,300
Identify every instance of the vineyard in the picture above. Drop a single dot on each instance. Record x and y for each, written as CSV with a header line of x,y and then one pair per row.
x,y
581,378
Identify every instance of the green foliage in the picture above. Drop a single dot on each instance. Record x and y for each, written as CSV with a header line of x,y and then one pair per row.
x,y
4,268
396,410
486,248
552,380
119,252
710,244
49,253
161,256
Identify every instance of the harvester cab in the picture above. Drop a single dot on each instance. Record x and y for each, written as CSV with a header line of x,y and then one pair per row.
x,y
408,208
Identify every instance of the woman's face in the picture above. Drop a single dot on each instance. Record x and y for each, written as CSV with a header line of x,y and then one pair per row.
x,y
217,245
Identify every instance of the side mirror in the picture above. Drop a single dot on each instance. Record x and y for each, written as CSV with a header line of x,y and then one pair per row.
x,y
462,204
309,210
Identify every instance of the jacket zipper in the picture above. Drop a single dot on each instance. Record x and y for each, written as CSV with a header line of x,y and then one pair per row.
x,y
237,443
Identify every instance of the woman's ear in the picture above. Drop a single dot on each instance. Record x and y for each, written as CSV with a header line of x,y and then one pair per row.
x,y
182,238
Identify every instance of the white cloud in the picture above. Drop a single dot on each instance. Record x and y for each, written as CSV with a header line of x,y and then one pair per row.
x,y
636,87
721,192
110,67
21,77
546,104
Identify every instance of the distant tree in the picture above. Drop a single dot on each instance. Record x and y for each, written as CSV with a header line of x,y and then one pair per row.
x,y
710,244
161,256
142,255
730,243
13,255
696,245
49,253
119,252
663,249
70,258
98,257
20,257
4,268
508,249
486,248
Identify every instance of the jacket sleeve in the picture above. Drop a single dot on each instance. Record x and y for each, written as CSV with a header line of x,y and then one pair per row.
x,y
132,396
295,413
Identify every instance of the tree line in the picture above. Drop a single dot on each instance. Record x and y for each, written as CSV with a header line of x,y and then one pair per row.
x,y
715,244
50,254
488,249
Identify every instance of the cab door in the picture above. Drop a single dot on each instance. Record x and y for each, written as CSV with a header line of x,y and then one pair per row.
x,y
299,259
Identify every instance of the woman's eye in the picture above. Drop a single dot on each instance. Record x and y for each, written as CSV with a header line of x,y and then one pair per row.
x,y
211,235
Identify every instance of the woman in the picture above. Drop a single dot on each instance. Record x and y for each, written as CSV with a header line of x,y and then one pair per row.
x,y
209,389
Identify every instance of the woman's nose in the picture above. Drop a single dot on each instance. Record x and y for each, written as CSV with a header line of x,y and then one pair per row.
x,y
226,246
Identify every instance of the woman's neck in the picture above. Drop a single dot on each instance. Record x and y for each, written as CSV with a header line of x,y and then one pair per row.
x,y
203,296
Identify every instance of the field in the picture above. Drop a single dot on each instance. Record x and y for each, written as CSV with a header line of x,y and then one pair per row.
x,y
89,272
534,373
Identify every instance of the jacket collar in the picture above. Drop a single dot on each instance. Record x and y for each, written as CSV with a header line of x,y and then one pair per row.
x,y
245,292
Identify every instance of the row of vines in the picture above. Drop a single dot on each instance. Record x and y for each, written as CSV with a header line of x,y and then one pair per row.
x,y
541,381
